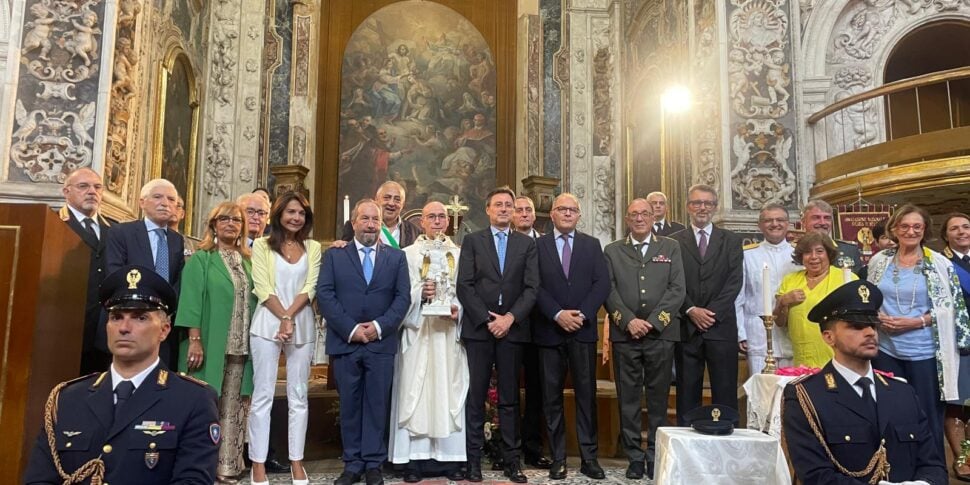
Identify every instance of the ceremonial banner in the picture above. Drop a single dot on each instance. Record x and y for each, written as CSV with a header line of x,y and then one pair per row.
x,y
854,223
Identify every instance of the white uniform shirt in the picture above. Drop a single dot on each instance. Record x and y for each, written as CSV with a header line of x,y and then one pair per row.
x,y
750,304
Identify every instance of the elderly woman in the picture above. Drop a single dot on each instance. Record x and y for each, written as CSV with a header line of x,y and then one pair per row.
x,y
955,232
801,291
285,269
923,319
215,307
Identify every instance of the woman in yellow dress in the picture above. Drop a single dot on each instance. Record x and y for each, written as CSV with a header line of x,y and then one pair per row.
x,y
801,291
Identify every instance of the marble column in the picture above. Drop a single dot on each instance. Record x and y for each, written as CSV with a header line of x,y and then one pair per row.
x,y
303,91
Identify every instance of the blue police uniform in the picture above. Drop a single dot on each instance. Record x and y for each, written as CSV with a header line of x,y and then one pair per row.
x,y
837,436
163,430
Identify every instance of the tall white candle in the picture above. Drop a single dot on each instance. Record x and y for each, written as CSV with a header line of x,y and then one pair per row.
x,y
346,208
766,290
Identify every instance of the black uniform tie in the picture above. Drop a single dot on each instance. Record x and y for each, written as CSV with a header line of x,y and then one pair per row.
x,y
866,384
122,393
89,225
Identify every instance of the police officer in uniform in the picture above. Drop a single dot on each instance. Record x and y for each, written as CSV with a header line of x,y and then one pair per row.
x,y
848,424
138,422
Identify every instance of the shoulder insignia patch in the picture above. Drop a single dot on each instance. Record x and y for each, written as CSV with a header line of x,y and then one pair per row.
x,y
162,377
830,381
751,246
215,433
193,379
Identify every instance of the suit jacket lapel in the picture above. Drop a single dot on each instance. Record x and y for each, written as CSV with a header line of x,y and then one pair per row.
x,y
380,260
630,250
142,237
493,251
173,253
690,244
549,246
714,244
846,395
885,396
100,400
652,249
352,253
147,394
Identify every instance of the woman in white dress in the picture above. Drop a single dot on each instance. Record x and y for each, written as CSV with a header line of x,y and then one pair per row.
x,y
285,269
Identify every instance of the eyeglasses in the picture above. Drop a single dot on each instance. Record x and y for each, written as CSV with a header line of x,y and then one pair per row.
x,y
566,210
225,219
914,227
698,203
639,215
256,212
84,186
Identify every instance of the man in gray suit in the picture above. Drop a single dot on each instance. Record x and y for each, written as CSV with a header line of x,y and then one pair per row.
x,y
648,289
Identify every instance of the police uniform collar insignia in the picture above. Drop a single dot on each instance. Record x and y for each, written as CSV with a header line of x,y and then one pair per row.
x,y
97,382
948,252
830,381
881,379
215,433
151,456
665,318
134,276
864,294
162,377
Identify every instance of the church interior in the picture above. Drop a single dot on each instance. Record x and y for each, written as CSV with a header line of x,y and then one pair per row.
x,y
864,104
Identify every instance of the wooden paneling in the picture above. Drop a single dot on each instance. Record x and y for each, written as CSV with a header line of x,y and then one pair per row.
x,y
495,19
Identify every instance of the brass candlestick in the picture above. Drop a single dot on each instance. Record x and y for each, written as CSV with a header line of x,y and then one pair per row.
x,y
769,322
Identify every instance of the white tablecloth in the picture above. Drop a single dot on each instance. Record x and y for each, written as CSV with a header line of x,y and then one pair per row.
x,y
765,394
747,457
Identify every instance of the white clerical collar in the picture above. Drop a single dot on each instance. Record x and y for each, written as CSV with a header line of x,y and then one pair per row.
x,y
850,375
136,380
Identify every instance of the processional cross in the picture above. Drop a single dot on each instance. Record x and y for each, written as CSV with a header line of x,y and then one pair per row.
x,y
456,209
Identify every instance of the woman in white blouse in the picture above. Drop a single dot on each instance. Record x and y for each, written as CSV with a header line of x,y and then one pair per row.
x,y
285,269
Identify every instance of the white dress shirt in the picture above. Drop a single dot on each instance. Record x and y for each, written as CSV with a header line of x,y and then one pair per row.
x,y
81,217
851,377
373,260
136,379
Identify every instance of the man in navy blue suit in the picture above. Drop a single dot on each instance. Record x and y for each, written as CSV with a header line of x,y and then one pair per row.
x,y
363,292
575,282
149,243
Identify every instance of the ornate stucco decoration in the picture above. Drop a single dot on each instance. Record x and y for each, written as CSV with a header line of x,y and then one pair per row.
x,y
124,79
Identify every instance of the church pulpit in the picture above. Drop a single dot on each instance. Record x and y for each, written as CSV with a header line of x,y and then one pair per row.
x,y
43,273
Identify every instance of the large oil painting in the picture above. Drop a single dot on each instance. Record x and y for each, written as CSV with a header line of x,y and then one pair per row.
x,y
174,153
418,104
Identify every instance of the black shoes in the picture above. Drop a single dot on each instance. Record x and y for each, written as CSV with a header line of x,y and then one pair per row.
x,y
375,477
557,470
514,473
456,474
650,468
347,478
537,461
635,470
411,476
592,469
474,471
274,466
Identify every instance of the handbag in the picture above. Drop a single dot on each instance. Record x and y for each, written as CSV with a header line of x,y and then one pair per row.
x,y
320,344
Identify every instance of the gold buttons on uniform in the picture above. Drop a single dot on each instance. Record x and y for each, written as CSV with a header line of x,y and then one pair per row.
x,y
106,449
911,436
848,438
151,446
643,291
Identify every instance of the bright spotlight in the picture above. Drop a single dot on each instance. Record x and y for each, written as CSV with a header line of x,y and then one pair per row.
x,y
676,99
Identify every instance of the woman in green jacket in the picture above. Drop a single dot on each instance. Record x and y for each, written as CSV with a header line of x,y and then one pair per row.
x,y
216,306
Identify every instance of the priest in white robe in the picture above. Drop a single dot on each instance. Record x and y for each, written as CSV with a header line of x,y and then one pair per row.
x,y
431,369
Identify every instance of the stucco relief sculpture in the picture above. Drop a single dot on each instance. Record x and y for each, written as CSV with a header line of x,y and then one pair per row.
x,y
123,89
48,147
855,126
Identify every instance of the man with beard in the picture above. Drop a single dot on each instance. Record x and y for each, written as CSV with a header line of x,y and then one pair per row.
x,y
849,424
82,194
363,293
394,231
817,216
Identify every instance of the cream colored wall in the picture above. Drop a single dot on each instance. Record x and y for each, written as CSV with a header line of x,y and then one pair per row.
x,y
528,7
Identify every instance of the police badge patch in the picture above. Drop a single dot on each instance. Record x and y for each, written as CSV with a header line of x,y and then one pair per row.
x,y
215,433
151,457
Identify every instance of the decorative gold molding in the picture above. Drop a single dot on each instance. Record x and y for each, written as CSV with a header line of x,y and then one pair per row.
x,y
930,175
176,54
9,315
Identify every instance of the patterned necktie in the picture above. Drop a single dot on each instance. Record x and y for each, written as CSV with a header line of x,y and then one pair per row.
x,y
567,254
501,251
123,391
89,225
161,256
865,384
368,265
702,245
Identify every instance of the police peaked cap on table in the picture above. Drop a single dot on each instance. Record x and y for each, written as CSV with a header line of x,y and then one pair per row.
x,y
856,302
714,419
137,288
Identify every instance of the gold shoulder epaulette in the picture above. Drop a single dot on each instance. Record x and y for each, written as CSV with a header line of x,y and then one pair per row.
x,y
193,379
751,246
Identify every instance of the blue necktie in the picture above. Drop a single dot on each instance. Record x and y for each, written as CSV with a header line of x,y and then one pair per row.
x,y
501,251
161,255
368,264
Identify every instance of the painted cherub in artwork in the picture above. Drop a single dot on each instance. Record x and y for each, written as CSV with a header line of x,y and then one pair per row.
x,y
39,35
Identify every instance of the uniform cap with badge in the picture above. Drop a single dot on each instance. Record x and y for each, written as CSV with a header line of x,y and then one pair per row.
x,y
134,287
856,303
714,419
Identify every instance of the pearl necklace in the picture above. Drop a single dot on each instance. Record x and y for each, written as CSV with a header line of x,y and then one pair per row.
x,y
917,269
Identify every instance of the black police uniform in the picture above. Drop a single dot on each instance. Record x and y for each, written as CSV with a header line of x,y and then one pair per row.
x,y
167,431
845,422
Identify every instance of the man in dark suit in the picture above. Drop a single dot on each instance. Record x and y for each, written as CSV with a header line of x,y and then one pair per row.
x,y
661,226
363,293
574,285
149,243
849,424
498,275
647,276
817,215
140,422
82,196
394,231
714,272
523,220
